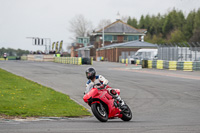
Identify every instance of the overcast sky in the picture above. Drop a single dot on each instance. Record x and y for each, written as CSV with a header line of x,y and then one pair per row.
x,y
50,18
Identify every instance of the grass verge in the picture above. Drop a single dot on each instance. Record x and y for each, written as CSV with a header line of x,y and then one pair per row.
x,y
23,98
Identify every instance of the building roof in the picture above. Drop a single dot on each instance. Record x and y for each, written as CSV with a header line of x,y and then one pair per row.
x,y
142,30
131,44
121,27
85,48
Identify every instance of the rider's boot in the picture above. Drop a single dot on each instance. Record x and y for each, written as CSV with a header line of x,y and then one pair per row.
x,y
117,97
121,102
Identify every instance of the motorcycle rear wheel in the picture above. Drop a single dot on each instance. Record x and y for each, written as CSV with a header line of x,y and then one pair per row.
x,y
99,112
126,114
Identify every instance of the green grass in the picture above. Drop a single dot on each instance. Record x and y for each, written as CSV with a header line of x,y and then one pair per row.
x,y
24,98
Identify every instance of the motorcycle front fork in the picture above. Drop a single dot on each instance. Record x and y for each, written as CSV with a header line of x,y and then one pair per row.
x,y
116,103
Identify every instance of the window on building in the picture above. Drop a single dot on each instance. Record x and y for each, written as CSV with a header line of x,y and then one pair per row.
x,y
115,38
97,38
136,37
108,37
85,40
125,38
80,40
131,37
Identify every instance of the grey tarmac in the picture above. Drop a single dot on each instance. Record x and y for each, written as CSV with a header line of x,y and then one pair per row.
x,y
161,101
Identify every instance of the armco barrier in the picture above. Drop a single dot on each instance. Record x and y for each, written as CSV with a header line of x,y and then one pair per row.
x,y
63,60
154,64
172,65
196,66
126,61
188,65
149,63
123,61
138,62
144,63
23,57
180,65
166,64
92,61
69,60
159,64
40,57
3,59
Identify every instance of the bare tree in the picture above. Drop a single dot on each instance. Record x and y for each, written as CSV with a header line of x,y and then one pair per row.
x,y
103,23
68,47
80,26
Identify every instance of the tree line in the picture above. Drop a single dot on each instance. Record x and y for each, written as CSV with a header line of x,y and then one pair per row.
x,y
171,27
13,52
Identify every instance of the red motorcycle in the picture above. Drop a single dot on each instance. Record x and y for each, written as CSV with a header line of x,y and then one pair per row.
x,y
104,106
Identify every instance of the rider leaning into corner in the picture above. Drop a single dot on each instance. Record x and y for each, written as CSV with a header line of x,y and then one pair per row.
x,y
93,80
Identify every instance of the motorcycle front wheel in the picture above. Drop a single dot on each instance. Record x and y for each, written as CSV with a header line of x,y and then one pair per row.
x,y
126,113
99,112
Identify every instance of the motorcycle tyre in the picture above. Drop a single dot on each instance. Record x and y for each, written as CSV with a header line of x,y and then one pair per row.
x,y
97,114
125,117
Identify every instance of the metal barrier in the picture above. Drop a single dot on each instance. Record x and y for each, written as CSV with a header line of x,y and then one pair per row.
x,y
23,57
149,63
196,66
179,52
159,64
126,61
91,60
180,65
175,65
154,64
69,60
138,62
188,65
166,64
73,60
123,61
3,59
172,65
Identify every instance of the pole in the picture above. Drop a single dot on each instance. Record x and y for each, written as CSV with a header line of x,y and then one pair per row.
x,y
103,36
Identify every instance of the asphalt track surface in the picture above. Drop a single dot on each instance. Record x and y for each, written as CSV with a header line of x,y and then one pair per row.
x,y
161,101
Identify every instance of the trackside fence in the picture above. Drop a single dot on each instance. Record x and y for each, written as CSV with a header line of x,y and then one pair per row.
x,y
3,59
179,51
74,60
170,65
23,57
173,65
